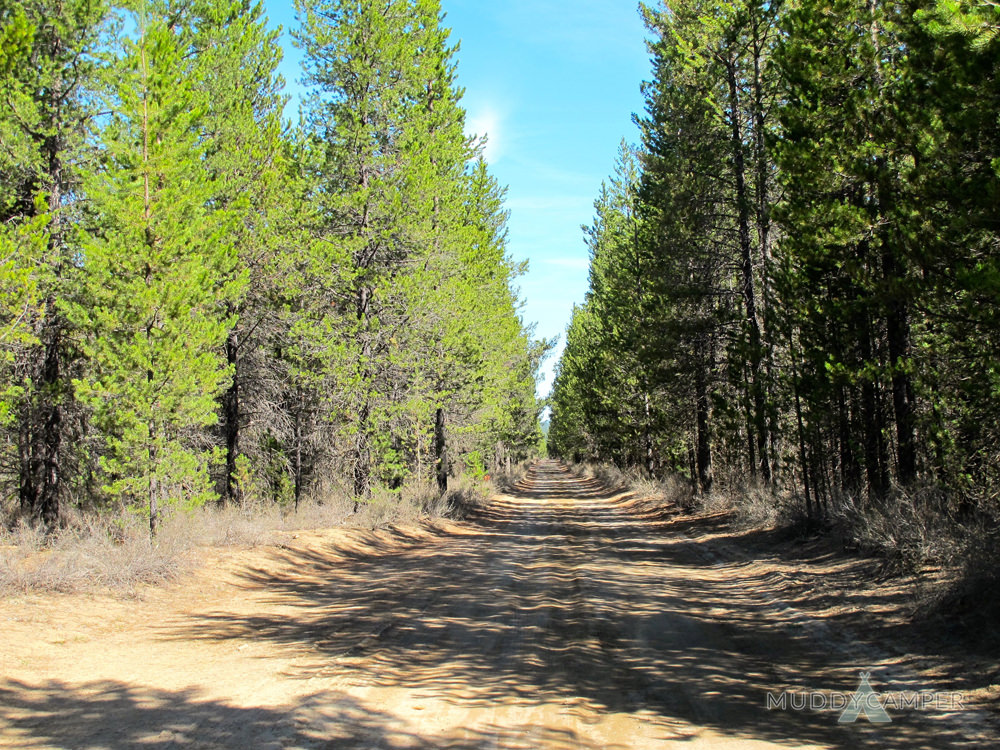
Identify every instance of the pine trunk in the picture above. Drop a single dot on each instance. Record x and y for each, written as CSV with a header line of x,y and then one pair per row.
x,y
748,284
231,422
703,451
440,452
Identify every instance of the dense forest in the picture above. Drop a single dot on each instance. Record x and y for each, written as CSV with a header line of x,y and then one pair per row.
x,y
795,274
200,301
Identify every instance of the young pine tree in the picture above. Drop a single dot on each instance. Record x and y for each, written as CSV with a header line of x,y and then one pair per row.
x,y
161,271
249,164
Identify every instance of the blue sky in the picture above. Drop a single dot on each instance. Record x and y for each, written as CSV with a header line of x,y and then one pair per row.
x,y
553,83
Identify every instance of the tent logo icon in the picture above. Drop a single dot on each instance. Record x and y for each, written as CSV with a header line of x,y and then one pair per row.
x,y
865,701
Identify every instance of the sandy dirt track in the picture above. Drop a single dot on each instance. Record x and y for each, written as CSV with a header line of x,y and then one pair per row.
x,y
564,616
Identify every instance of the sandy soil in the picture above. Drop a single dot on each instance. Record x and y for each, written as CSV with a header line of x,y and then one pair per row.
x,y
565,616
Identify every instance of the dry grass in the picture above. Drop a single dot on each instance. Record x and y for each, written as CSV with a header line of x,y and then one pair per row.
x,y
508,481
607,474
97,552
669,492
758,507
466,495
114,551
905,531
908,531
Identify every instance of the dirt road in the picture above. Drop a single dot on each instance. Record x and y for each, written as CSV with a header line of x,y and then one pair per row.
x,y
565,617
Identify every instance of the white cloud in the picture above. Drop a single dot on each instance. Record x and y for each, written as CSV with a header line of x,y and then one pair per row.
x,y
486,121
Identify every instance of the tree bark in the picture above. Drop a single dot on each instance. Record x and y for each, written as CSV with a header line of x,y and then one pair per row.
x,y
298,453
703,450
872,429
40,465
746,267
231,422
440,452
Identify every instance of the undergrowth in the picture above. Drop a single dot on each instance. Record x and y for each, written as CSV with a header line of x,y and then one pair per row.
x,y
113,550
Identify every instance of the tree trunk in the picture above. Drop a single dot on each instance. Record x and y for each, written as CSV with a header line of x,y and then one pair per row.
x,y
898,335
647,437
902,392
26,476
231,422
850,477
872,428
51,418
362,443
803,459
40,481
362,453
703,450
440,452
152,486
748,284
763,169
298,455
750,423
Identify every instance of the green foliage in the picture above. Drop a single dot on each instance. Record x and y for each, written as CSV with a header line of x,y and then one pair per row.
x,y
22,248
474,466
46,79
160,272
808,294
979,22
421,297
200,301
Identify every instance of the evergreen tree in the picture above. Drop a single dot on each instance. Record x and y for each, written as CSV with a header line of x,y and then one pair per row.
x,y
844,241
412,278
161,270
250,164
359,57
45,70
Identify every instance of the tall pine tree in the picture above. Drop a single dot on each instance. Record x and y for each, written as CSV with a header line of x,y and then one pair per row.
x,y
161,270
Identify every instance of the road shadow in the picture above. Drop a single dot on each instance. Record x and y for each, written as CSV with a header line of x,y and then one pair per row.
x,y
116,716
563,594
552,481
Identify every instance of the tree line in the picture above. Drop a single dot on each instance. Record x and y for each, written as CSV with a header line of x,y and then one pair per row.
x,y
203,302
795,275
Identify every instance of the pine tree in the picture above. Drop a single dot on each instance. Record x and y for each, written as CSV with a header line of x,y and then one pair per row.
x,y
250,164
161,271
951,131
357,57
414,282
45,71
844,240
21,250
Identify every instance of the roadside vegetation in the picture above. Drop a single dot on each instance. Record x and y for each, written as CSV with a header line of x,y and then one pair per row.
x,y
114,552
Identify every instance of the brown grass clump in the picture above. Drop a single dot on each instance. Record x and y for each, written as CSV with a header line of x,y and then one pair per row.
x,y
509,480
112,552
672,491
